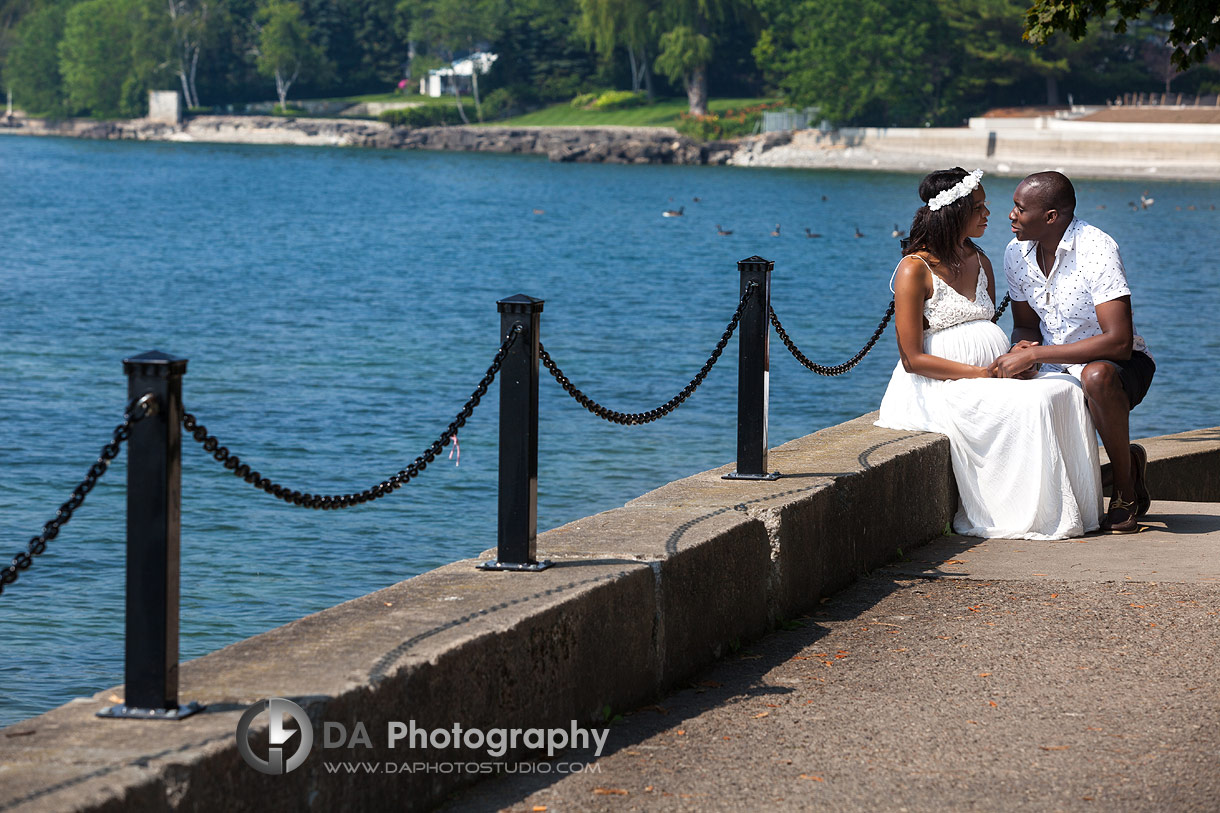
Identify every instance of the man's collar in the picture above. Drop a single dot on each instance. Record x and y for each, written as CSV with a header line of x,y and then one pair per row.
x,y
1068,243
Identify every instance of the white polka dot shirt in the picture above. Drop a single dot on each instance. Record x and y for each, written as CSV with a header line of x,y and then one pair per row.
x,y
1087,271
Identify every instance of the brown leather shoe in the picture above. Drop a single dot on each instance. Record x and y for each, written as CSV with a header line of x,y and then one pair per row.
x,y
1139,469
1120,518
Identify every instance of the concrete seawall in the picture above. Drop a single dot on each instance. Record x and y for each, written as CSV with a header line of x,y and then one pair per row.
x,y
1080,148
640,598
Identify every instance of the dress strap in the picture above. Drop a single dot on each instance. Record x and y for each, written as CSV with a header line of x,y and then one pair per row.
x,y
894,275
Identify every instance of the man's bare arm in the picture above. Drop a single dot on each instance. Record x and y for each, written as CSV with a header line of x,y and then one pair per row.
x,y
1113,344
1026,332
1026,326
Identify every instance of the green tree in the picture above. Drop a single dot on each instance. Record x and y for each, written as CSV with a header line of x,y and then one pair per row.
x,y
687,45
451,26
1194,31
284,46
995,66
684,56
361,43
867,62
95,55
31,69
378,55
543,55
193,26
993,53
631,24
151,56
11,14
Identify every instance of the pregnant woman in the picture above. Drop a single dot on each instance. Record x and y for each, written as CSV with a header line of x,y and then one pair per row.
x,y
1023,450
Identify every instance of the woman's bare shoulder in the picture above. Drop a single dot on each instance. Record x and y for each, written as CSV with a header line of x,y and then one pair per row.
x,y
913,271
927,257
916,264
985,265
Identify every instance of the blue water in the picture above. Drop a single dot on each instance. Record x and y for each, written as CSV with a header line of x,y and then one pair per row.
x,y
338,307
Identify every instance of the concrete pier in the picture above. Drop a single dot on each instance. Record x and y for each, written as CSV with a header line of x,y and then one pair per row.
x,y
992,675
644,597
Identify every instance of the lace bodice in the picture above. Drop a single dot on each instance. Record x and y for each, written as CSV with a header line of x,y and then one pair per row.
x,y
946,307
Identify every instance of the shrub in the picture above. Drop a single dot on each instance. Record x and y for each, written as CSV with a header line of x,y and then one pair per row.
x,y
556,86
505,102
425,116
498,103
583,101
276,110
609,100
728,124
620,100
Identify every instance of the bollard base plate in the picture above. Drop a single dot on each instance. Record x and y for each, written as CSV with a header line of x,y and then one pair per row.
x,y
775,475
530,566
134,713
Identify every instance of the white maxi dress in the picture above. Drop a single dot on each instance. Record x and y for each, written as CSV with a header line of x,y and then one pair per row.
x,y
1024,451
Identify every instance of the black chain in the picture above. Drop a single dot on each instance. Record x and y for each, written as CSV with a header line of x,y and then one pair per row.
x,y
1000,310
837,369
305,500
136,410
637,418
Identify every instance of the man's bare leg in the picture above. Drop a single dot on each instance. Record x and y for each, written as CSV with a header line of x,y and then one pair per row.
x,y
1111,411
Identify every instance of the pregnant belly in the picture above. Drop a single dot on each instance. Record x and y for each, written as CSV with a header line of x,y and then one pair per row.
x,y
979,343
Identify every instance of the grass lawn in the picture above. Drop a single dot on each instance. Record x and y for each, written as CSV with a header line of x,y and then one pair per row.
x,y
394,96
661,113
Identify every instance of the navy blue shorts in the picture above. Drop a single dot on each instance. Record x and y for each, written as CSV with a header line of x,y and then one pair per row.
x,y
1135,374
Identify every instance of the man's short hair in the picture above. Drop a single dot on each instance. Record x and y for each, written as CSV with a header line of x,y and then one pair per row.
x,y
1053,190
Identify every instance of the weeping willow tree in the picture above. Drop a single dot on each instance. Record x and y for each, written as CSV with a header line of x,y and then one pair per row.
x,y
630,24
687,44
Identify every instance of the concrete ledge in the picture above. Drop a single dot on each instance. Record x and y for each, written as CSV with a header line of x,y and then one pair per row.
x,y
640,598
1085,151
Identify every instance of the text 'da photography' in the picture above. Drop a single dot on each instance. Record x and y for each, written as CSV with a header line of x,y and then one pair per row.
x,y
276,736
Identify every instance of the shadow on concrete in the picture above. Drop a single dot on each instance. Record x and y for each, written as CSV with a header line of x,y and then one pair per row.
x,y
1199,436
1181,524
739,675
926,561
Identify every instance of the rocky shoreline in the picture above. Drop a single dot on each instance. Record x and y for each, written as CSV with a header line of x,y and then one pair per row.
x,y
612,145
1096,150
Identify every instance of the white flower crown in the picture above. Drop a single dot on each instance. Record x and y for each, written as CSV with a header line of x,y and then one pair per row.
x,y
963,188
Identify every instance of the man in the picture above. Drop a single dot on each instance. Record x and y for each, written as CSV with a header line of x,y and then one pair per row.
x,y
1071,311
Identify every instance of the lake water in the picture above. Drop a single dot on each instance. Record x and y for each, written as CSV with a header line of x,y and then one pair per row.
x,y
338,307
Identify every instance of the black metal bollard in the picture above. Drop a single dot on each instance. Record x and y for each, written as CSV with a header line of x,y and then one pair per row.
x,y
154,496
753,372
517,532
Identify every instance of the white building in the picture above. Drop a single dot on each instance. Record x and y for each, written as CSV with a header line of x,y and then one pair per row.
x,y
439,82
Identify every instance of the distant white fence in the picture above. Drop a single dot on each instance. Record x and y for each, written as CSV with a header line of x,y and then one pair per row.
x,y
776,121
